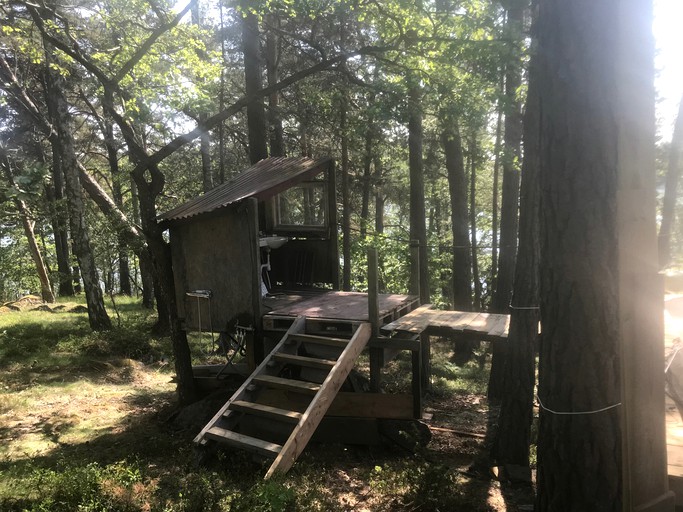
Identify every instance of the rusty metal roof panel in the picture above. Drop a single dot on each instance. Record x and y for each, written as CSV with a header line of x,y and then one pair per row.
x,y
267,175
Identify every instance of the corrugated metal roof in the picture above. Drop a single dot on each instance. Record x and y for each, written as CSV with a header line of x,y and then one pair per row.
x,y
266,176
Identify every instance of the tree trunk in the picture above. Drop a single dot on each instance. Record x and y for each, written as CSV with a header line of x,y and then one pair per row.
x,y
670,191
513,437
62,122
256,116
581,124
510,200
45,287
370,136
205,137
462,257
495,197
165,285
117,193
276,132
511,157
419,268
346,195
60,217
473,224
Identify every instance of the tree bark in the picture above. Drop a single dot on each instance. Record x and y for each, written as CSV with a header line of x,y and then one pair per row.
x,y
256,116
419,268
510,199
473,223
462,257
62,122
579,365
513,437
45,287
670,191
276,132
117,193
205,137
345,192
60,217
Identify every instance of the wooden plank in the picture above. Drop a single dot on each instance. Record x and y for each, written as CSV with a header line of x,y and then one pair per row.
x,y
320,340
310,362
320,403
298,386
245,442
297,326
409,322
500,328
266,411
373,293
347,404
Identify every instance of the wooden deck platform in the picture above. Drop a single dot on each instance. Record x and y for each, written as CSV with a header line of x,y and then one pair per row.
x,y
351,307
674,442
425,319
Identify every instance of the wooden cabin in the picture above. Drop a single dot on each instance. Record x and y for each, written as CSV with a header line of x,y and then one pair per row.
x,y
273,228
260,254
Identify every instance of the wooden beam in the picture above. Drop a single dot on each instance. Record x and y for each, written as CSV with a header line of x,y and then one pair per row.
x,y
244,442
266,411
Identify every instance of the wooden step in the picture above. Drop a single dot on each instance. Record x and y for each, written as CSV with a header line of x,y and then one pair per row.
x,y
266,411
288,384
319,340
309,362
245,442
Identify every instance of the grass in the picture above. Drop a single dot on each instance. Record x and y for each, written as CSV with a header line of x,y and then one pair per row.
x,y
84,426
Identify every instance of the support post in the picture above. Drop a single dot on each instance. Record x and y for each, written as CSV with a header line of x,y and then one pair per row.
x,y
414,287
376,354
417,383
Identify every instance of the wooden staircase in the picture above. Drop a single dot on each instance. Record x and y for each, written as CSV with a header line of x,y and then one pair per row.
x,y
313,358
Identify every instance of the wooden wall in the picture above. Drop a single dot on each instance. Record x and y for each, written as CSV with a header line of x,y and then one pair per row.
x,y
218,253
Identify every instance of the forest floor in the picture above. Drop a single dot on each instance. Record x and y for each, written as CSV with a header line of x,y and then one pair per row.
x,y
88,421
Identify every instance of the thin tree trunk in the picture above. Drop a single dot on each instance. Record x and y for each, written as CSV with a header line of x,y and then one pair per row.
x,y
276,132
256,116
60,216
495,197
117,193
473,223
370,136
43,276
418,231
513,437
510,200
457,188
670,191
346,195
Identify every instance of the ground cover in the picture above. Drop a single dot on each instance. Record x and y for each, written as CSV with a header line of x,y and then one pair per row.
x,y
88,422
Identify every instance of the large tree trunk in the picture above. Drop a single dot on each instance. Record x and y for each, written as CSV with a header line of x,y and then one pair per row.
x,y
419,268
62,122
670,191
256,115
510,201
513,437
601,357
